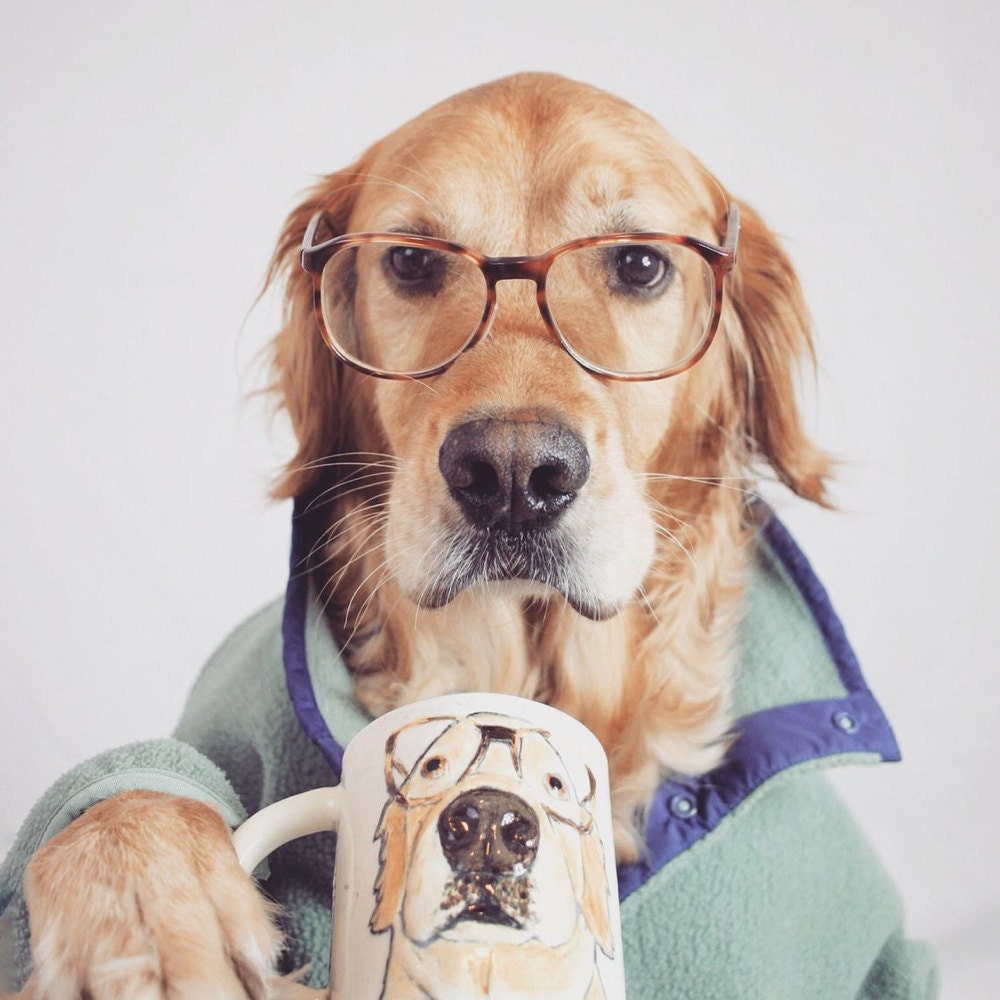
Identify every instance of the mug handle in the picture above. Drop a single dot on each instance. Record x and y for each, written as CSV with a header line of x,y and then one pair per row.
x,y
315,811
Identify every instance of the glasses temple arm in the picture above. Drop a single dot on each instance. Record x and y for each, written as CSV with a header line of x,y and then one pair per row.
x,y
732,229
309,242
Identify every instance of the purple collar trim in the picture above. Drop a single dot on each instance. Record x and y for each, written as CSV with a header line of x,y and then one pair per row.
x,y
682,812
307,525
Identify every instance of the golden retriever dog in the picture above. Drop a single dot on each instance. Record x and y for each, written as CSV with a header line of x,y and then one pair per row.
x,y
532,374
586,532
492,878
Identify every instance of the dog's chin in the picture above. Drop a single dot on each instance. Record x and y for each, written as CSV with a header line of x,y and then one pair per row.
x,y
521,588
594,574
484,913
481,924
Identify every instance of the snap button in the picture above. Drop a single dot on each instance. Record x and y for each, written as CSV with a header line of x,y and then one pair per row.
x,y
682,806
845,722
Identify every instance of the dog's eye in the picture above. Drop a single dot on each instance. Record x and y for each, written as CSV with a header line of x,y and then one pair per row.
x,y
434,767
556,786
640,269
415,269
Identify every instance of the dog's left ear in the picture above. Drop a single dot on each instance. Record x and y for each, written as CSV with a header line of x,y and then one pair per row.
x,y
392,867
767,333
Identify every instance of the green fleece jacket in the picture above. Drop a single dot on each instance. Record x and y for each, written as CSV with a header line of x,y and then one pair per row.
x,y
757,884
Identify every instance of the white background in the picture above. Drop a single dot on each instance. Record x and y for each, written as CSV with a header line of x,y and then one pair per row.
x,y
149,155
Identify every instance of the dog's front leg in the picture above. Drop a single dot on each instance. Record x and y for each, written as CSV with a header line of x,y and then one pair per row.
x,y
143,896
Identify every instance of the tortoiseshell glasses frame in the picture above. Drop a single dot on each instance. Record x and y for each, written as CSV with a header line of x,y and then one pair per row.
x,y
720,259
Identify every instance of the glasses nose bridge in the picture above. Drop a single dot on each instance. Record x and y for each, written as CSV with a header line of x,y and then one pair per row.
x,y
515,268
522,268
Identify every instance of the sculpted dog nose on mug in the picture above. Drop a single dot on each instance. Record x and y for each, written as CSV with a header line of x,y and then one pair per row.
x,y
489,832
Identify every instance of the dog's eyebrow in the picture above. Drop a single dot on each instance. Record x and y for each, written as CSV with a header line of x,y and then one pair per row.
x,y
620,219
417,228
610,219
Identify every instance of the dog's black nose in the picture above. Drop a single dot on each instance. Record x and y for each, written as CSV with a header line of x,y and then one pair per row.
x,y
516,474
486,831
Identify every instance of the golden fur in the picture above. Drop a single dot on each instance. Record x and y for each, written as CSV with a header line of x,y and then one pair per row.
x,y
514,167
142,894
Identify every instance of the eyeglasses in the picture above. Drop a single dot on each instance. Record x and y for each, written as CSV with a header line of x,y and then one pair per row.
x,y
628,306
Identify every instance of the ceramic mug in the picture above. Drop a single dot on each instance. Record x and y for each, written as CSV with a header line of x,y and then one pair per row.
x,y
474,855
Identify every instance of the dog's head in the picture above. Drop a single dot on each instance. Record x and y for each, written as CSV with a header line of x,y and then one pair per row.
x,y
487,836
516,467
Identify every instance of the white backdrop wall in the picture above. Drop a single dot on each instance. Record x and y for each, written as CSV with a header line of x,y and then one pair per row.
x,y
148,155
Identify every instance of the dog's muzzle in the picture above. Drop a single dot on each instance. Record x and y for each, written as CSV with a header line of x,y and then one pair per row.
x,y
490,841
512,479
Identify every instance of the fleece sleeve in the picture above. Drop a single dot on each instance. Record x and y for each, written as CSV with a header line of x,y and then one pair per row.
x,y
165,765
904,970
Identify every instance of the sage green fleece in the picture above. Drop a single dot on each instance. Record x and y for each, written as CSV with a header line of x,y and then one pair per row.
x,y
782,900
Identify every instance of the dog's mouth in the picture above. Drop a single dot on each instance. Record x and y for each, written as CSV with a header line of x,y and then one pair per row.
x,y
498,555
503,901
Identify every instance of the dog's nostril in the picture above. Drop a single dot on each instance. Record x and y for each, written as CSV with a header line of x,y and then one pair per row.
x,y
549,481
458,827
520,834
483,480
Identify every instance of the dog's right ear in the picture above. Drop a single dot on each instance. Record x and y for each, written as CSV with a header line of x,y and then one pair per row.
x,y
594,898
306,375
769,339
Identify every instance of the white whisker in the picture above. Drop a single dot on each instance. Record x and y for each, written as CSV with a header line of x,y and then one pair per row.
x,y
677,543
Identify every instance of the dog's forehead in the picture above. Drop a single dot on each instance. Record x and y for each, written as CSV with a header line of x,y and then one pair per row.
x,y
532,159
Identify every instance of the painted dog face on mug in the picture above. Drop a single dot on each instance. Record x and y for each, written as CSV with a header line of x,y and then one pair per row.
x,y
488,839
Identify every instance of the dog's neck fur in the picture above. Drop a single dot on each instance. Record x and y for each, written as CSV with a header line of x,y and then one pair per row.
x,y
653,683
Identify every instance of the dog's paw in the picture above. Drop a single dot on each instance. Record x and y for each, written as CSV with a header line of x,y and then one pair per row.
x,y
143,898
